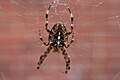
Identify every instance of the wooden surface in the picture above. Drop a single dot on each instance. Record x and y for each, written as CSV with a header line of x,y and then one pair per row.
x,y
95,53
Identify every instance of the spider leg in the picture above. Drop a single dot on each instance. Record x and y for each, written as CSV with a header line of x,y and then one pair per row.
x,y
71,17
46,44
46,16
67,59
71,32
43,56
70,41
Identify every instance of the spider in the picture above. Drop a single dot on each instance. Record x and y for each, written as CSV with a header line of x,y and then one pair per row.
x,y
57,39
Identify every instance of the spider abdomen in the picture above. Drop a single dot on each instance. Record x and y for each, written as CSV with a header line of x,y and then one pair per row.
x,y
57,40
59,36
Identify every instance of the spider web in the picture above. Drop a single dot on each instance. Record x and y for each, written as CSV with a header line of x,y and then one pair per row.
x,y
96,27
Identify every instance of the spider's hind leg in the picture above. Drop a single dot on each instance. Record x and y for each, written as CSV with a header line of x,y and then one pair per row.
x,y
67,60
43,56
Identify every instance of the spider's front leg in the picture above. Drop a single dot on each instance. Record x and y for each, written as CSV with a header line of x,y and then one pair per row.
x,y
71,32
46,16
71,20
43,56
67,59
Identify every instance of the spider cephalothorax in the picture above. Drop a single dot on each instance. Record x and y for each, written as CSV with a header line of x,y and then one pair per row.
x,y
57,39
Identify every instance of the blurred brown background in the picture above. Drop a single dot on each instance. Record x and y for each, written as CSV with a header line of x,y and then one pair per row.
x,y
95,53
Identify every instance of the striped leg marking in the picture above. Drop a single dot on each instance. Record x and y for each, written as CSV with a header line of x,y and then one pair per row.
x,y
70,41
43,56
46,16
72,18
67,60
46,44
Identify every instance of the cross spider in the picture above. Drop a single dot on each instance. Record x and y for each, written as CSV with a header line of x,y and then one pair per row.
x,y
57,40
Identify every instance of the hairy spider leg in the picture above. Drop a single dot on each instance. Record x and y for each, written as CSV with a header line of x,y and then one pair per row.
x,y
68,45
40,37
67,60
71,32
43,56
72,18
46,25
46,16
